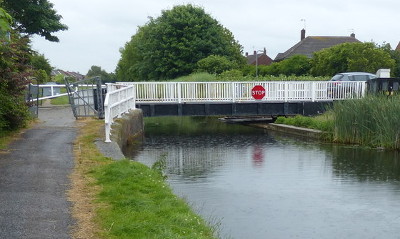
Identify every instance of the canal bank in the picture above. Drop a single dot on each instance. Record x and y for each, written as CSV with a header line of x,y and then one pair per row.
x,y
126,199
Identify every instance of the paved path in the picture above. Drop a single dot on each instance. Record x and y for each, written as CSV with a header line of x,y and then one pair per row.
x,y
34,179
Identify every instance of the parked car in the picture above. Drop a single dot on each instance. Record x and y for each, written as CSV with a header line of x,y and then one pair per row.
x,y
353,76
342,84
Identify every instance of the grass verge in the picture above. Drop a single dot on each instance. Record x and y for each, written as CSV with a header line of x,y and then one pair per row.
x,y
62,100
125,199
322,122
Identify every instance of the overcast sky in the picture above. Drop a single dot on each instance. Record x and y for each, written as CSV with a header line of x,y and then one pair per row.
x,y
99,28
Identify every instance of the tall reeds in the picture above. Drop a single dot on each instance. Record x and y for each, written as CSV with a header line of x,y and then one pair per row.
x,y
372,121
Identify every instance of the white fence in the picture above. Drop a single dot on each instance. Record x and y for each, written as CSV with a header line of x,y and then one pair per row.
x,y
119,100
279,91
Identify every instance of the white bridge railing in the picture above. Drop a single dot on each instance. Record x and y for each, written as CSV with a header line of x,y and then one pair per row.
x,y
119,100
123,96
277,91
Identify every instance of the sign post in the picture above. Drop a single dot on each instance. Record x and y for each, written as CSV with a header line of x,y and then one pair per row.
x,y
258,92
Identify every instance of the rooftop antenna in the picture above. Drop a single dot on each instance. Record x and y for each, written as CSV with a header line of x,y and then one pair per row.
x,y
304,22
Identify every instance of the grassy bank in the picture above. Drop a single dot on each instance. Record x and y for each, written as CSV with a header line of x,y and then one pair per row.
x,y
324,122
373,121
126,199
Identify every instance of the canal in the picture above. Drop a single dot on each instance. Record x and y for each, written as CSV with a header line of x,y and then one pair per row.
x,y
253,183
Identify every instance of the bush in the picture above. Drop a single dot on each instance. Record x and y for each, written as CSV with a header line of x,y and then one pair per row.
x,y
215,64
13,113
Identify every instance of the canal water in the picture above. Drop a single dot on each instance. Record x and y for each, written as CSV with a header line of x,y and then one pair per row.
x,y
253,183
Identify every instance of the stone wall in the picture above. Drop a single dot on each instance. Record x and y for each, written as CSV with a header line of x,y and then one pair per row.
x,y
129,129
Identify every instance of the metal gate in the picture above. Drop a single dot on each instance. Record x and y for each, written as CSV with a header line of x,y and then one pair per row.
x,y
32,99
86,97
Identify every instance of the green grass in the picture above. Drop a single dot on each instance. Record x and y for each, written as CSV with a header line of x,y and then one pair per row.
x,y
62,100
141,205
130,200
5,138
322,122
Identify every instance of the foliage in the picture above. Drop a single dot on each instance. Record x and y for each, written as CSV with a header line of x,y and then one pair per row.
x,y
5,21
43,67
35,17
296,65
196,77
171,45
215,64
14,71
40,62
372,121
105,77
395,55
349,57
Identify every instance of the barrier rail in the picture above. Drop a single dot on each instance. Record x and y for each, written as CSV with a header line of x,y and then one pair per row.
x,y
288,91
117,102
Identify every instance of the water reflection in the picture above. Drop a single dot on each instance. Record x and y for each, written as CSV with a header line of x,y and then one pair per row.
x,y
365,164
266,185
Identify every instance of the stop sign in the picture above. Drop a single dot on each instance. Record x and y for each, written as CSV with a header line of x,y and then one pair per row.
x,y
258,92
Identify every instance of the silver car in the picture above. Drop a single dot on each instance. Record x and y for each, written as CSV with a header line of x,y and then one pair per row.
x,y
353,76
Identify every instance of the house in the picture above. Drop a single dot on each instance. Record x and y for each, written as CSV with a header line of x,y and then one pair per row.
x,y
308,45
75,75
259,58
398,47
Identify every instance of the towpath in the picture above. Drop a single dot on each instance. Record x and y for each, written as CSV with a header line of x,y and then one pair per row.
x,y
34,179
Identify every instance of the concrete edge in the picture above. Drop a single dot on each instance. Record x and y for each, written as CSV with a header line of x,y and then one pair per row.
x,y
125,131
294,130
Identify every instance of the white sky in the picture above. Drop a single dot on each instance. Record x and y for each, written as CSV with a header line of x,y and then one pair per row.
x,y
99,28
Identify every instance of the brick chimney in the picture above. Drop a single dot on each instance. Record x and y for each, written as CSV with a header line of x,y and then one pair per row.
x,y
247,54
303,34
353,35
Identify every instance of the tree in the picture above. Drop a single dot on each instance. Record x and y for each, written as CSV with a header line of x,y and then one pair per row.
x,y
171,45
40,63
215,64
395,55
296,65
34,17
97,71
15,69
350,57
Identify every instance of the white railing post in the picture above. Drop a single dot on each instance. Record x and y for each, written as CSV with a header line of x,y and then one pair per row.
x,y
179,92
233,91
286,91
313,93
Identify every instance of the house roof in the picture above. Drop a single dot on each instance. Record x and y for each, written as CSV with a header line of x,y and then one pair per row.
x,y
398,47
312,44
263,59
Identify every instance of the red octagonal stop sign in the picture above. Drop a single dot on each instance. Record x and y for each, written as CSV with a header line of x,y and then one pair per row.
x,y
258,92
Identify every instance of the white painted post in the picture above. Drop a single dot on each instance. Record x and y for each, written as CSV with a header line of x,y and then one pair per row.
x,y
233,85
313,93
179,92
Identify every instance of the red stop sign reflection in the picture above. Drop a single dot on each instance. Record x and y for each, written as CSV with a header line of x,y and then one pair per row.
x,y
258,92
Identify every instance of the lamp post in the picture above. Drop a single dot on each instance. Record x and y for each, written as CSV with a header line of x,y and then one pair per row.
x,y
257,61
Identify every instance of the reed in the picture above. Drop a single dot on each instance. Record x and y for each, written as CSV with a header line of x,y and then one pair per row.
x,y
373,121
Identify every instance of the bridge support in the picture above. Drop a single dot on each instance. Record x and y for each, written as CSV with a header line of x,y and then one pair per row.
x,y
233,109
